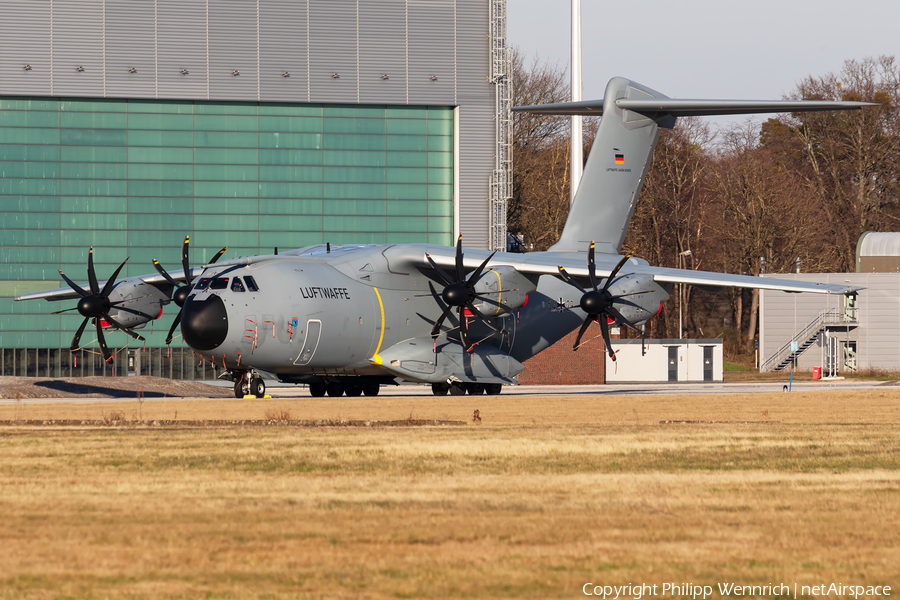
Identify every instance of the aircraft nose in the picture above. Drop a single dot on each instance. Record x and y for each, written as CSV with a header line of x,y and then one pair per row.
x,y
204,323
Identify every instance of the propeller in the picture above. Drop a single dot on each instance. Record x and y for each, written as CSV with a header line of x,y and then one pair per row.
x,y
460,293
599,302
96,304
181,291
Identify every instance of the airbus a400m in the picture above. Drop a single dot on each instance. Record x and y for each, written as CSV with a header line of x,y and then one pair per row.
x,y
347,319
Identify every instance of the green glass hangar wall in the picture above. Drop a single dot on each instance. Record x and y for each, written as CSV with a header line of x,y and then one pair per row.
x,y
133,177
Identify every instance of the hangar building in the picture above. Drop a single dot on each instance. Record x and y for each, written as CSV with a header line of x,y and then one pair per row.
x,y
838,333
252,124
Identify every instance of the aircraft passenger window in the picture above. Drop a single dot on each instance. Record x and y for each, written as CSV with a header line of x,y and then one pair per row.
x,y
237,285
202,284
218,283
251,283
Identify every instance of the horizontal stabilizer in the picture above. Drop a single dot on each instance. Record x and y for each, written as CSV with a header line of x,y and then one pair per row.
x,y
688,108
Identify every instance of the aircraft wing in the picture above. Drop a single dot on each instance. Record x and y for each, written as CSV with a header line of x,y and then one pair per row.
x,y
684,108
576,266
68,293
156,279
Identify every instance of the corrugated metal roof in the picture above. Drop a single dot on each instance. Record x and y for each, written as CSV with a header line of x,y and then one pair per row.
x,y
874,243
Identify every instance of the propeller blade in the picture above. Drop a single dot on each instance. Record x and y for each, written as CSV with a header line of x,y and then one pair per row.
x,y
161,271
59,312
441,273
482,294
460,275
76,340
604,328
185,259
102,341
592,267
135,312
621,319
112,281
219,255
568,279
476,274
481,316
615,271
436,330
92,275
72,285
172,328
584,326
463,328
121,327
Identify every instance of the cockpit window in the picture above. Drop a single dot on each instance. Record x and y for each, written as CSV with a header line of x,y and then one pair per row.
x,y
218,283
202,284
251,283
237,285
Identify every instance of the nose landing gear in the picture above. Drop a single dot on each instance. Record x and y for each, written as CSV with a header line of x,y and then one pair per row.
x,y
249,383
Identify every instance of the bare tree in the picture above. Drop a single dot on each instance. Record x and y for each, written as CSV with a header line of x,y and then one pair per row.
x,y
849,159
670,217
765,212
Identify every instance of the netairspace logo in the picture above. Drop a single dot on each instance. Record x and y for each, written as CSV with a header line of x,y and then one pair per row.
x,y
643,590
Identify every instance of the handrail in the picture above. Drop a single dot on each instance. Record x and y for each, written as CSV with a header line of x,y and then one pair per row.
x,y
826,317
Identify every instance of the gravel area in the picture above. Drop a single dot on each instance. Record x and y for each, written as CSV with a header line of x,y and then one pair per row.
x,y
107,387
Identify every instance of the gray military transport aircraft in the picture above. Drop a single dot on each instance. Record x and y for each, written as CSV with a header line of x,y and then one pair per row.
x,y
346,319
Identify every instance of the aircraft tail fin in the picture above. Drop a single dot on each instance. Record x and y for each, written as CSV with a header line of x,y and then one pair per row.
x,y
622,150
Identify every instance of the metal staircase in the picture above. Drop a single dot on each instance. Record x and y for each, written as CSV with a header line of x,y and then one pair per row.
x,y
805,338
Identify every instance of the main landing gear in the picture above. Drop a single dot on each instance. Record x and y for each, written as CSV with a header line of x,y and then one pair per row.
x,y
459,388
249,384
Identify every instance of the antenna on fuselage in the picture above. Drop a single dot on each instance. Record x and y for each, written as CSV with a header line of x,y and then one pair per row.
x,y
276,250
328,247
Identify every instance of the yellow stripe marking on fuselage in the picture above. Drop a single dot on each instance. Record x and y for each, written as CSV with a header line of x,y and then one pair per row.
x,y
377,359
500,291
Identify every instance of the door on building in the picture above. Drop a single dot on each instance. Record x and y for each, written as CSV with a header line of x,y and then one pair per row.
x,y
673,363
850,307
850,362
134,363
707,363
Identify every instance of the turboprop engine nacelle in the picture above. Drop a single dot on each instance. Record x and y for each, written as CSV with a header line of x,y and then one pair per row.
x,y
507,290
638,297
137,296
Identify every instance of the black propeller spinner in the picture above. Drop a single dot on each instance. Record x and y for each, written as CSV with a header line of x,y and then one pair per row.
x,y
460,293
181,291
598,303
95,304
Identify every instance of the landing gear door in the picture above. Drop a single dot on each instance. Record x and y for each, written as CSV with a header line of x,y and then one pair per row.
x,y
310,342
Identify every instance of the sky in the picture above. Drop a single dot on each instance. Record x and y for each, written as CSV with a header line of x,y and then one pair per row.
x,y
755,50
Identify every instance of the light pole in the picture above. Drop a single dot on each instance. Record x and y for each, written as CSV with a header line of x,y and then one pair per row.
x,y
576,158
681,257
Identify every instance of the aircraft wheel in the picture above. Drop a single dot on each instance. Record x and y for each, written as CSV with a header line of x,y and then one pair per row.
x,y
457,389
241,387
371,389
475,389
439,389
493,389
334,389
258,387
353,389
317,390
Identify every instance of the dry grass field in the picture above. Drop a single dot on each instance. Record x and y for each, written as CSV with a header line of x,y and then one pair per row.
x,y
545,495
